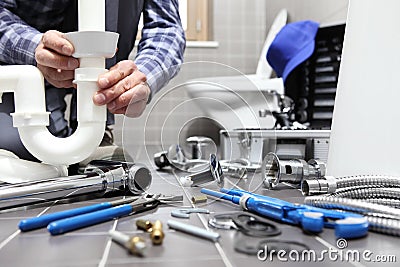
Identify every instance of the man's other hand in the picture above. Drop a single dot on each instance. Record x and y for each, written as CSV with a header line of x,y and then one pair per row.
x,y
123,89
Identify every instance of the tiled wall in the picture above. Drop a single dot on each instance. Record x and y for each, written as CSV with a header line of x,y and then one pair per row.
x,y
240,27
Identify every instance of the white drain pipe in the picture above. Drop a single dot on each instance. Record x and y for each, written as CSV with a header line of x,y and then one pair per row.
x,y
92,44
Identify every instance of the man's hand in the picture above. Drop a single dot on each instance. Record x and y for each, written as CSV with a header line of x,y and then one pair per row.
x,y
54,59
124,89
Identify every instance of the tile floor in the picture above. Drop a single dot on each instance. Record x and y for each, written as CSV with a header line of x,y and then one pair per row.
x,y
92,246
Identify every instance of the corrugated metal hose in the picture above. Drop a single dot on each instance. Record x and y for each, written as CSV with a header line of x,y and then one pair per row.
x,y
377,197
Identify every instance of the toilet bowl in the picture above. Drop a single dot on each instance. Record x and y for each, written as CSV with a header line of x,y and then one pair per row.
x,y
237,102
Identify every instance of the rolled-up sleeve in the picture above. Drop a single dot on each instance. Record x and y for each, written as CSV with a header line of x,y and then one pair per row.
x,y
18,40
161,48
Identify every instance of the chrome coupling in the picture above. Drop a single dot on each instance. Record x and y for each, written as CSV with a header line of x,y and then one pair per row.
x,y
325,185
294,171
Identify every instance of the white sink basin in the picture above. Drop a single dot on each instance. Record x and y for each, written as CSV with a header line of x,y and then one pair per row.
x,y
235,101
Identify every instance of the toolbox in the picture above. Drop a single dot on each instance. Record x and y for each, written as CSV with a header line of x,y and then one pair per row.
x,y
254,144
312,85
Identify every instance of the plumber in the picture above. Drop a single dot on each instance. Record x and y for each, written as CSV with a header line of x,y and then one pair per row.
x,y
32,33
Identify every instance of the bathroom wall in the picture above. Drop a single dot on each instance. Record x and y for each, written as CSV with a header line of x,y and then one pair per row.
x,y
240,28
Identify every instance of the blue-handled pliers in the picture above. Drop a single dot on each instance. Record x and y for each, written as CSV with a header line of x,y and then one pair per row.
x,y
65,221
311,219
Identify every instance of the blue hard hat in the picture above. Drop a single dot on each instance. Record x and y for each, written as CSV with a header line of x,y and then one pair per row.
x,y
292,45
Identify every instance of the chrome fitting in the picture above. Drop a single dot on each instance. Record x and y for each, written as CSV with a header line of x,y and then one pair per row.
x,y
238,172
212,173
161,159
139,179
325,185
294,171
201,146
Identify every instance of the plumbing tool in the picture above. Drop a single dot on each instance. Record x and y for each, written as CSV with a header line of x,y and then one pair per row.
x,y
329,184
374,196
246,223
154,229
69,220
135,245
199,199
239,167
294,171
157,233
213,173
200,146
176,158
234,171
312,219
122,177
44,220
161,159
142,204
144,225
185,213
193,230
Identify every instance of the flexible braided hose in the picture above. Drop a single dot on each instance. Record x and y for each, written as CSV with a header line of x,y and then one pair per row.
x,y
394,203
354,205
360,180
381,218
367,192
384,225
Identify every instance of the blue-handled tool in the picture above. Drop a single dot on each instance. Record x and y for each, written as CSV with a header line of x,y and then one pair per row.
x,y
69,220
69,224
144,203
44,220
312,219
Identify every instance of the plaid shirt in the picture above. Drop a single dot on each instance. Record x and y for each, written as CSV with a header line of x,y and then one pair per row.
x,y
160,50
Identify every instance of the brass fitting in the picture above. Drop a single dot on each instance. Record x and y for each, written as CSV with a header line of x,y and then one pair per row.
x,y
144,225
157,234
199,199
136,246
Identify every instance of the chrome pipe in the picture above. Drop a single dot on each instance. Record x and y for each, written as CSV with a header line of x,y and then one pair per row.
x,y
100,180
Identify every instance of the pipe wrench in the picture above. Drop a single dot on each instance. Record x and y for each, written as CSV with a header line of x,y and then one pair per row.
x,y
311,219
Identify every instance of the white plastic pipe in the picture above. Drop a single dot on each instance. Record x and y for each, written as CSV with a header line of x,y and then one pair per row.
x,y
365,128
31,118
91,15
30,114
